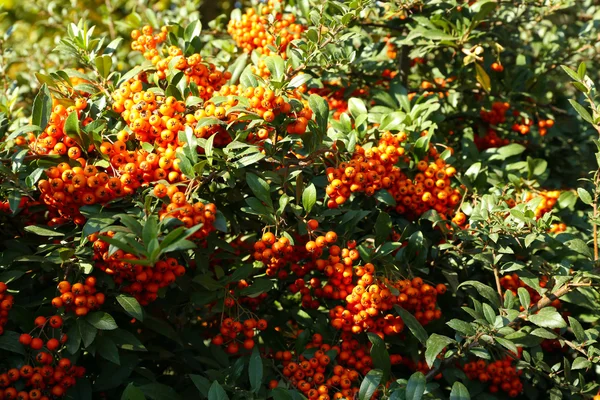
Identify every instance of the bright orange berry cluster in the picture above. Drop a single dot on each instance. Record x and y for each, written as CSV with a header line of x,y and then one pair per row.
x,y
253,31
321,377
266,103
189,214
549,199
53,140
206,76
79,298
374,169
273,252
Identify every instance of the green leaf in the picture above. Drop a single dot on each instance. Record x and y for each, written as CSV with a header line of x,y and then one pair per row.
x,y
131,306
102,321
42,108
237,68
193,30
276,67
415,387
435,344
107,349
132,392
383,227
385,197
356,107
459,392
87,332
524,297
150,230
483,78
216,392
379,354
280,393
370,384
485,291
321,109
126,340
103,65
299,80
158,391
72,128
581,70
41,231
548,318
585,196
508,151
260,285
571,73
507,344
577,330
9,341
255,370
581,110
581,363
413,325
465,328
260,188
309,197
201,383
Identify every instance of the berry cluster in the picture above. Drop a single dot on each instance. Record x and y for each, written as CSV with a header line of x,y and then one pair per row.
x,y
204,75
253,31
497,116
189,214
52,376
6,303
142,282
326,372
232,333
374,169
286,108
79,298
273,252
548,200
499,374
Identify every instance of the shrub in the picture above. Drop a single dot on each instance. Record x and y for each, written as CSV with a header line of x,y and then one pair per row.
x,y
321,200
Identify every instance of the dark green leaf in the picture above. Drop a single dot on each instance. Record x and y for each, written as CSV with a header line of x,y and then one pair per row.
x,y
101,320
413,325
370,384
485,291
131,306
216,392
435,344
415,388
42,108
255,370
459,392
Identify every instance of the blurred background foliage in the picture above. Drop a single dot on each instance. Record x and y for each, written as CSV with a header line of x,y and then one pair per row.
x,y
30,31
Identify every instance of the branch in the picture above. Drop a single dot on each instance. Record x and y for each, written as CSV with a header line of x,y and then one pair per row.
x,y
546,301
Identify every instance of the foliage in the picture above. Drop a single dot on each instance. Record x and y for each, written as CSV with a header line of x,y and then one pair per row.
x,y
300,200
